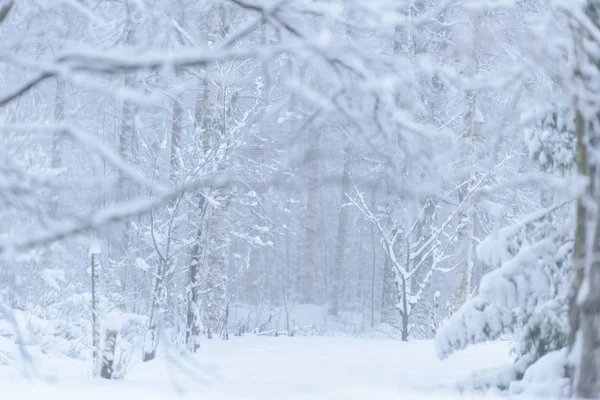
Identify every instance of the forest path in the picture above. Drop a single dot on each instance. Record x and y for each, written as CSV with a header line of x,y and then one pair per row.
x,y
265,368
340,367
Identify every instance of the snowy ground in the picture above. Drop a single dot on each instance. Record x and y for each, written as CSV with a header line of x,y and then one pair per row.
x,y
251,367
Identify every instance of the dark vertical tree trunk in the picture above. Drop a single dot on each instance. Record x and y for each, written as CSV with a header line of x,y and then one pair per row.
x,y
585,299
584,320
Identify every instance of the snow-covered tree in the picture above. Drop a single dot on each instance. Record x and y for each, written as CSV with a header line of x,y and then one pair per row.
x,y
526,291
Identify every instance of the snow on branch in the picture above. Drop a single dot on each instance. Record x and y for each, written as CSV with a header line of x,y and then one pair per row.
x,y
93,144
508,292
474,191
5,7
493,249
23,88
119,212
115,62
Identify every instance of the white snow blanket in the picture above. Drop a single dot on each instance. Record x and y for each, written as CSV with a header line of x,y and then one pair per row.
x,y
256,367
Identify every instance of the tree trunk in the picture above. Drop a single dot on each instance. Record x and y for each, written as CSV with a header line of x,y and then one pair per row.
x,y
211,117
389,310
467,232
423,232
158,296
468,253
176,128
405,312
374,269
585,300
194,323
214,299
126,188
390,289
310,222
56,161
177,114
583,315
175,173
340,245
473,121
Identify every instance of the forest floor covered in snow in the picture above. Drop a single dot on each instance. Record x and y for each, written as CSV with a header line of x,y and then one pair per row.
x,y
256,367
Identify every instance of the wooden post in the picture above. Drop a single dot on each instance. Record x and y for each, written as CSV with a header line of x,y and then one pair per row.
x,y
95,266
108,356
